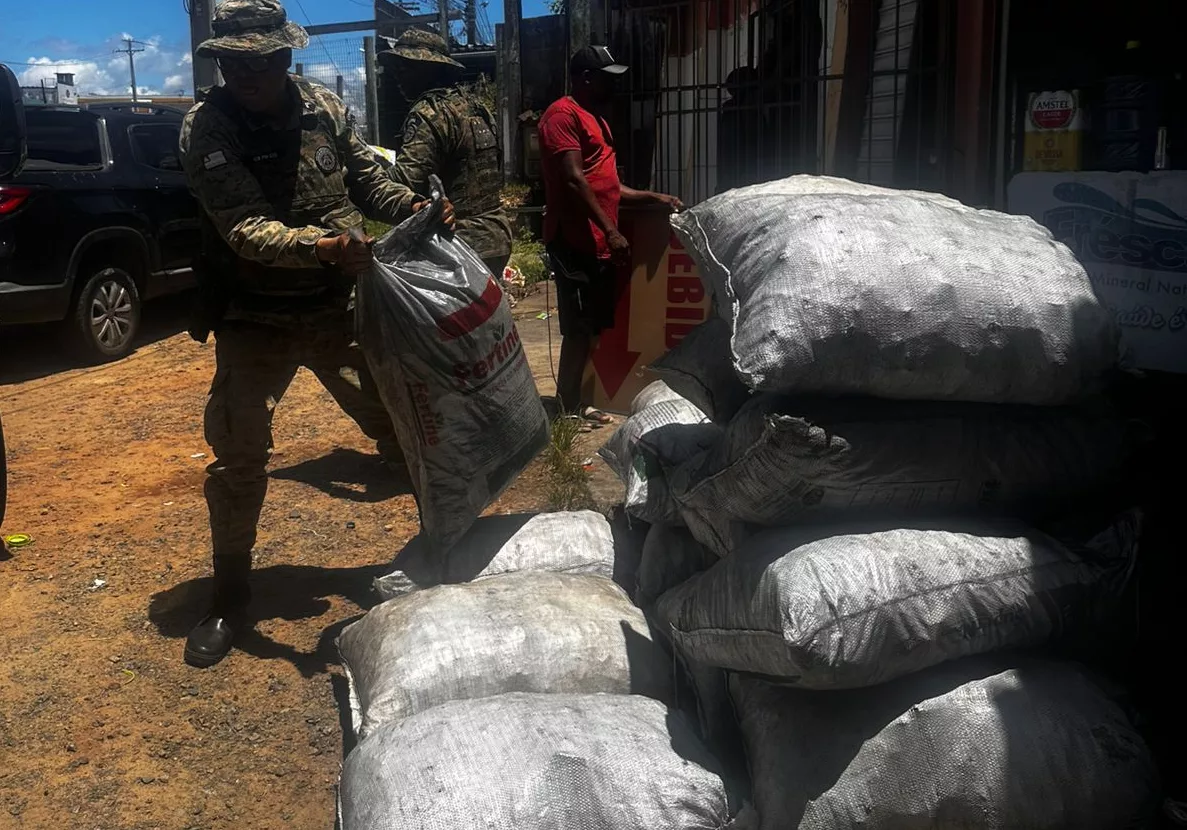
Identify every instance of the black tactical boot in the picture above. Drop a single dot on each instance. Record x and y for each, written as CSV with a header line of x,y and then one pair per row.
x,y
211,639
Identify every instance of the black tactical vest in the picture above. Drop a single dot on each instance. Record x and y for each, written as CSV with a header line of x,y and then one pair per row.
x,y
292,169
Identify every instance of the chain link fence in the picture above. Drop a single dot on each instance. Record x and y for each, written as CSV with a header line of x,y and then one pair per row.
x,y
338,62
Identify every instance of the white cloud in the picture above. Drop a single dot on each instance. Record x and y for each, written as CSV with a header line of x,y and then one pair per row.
x,y
88,75
161,68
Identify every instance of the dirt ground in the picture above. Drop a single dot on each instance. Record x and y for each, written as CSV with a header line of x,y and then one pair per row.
x,y
102,726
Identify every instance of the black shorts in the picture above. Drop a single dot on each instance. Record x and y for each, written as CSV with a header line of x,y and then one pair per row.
x,y
586,290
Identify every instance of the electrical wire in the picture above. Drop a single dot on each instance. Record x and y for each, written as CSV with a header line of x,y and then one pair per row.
x,y
34,62
324,48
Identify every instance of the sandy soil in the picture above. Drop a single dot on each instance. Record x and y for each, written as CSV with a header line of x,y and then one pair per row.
x,y
102,726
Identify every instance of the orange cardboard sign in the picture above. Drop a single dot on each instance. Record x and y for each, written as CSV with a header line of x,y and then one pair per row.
x,y
660,299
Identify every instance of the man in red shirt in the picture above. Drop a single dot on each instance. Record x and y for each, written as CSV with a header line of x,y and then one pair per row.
x,y
582,193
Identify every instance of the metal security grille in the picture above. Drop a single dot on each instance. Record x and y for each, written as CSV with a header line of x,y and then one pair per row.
x,y
724,93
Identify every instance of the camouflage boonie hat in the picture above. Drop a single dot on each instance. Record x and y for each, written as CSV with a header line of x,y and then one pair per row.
x,y
422,45
251,27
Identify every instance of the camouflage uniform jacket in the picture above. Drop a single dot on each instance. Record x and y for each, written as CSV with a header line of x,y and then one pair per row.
x,y
450,132
271,191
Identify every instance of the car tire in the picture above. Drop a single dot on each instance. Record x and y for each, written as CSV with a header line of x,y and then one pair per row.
x,y
106,317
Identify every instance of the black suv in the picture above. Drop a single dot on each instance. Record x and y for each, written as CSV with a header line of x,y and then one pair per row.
x,y
98,222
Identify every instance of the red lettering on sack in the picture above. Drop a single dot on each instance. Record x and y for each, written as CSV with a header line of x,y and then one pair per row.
x,y
489,364
430,436
465,320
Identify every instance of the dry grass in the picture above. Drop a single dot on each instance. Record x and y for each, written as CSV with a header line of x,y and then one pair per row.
x,y
568,481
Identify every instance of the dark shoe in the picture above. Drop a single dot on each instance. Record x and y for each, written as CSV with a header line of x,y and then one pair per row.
x,y
211,639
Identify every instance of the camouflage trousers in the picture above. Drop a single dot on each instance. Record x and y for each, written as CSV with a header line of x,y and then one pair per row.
x,y
255,365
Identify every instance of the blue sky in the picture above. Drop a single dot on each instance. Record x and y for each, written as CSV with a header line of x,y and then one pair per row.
x,y
39,38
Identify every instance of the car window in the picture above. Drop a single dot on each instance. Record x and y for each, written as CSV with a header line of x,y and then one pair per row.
x,y
156,145
62,139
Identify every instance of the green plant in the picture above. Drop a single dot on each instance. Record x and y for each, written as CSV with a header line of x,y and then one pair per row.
x,y
527,255
486,90
568,481
514,195
375,229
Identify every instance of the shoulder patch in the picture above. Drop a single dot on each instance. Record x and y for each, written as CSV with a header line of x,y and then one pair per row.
x,y
325,159
213,161
411,125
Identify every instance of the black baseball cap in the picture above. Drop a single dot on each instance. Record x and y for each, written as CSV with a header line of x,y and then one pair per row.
x,y
595,59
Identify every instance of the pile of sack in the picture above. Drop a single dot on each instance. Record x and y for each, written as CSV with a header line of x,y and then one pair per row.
x,y
870,479
517,687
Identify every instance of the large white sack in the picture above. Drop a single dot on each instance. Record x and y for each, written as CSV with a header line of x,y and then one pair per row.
x,y
856,609
570,542
651,394
984,744
786,461
663,435
537,762
841,288
701,369
520,632
440,341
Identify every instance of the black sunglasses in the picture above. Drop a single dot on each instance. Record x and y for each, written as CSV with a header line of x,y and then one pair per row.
x,y
255,64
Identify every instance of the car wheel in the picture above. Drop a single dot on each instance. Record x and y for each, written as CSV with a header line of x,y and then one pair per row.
x,y
107,316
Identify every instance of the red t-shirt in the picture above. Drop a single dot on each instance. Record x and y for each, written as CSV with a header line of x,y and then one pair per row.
x,y
566,126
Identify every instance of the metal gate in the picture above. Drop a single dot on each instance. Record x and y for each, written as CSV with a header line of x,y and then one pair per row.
x,y
724,93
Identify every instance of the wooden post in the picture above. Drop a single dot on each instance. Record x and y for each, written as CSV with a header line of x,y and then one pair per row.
x,y
340,86
372,89
578,25
833,92
443,21
201,17
512,13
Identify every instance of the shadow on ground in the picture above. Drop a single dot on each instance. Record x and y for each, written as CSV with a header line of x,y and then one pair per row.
x,y
280,592
32,352
350,475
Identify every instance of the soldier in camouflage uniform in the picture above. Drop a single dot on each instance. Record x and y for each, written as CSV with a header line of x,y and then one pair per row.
x,y
274,164
451,132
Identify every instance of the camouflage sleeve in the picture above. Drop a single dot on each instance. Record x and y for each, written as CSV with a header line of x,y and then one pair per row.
x,y
423,150
371,188
233,199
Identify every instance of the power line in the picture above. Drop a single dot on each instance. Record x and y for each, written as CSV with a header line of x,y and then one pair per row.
x,y
321,42
31,62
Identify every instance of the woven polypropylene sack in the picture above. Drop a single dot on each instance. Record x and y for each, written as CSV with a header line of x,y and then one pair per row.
x,y
841,288
661,436
856,609
700,369
444,351
537,762
568,542
989,744
671,556
787,461
651,394
522,632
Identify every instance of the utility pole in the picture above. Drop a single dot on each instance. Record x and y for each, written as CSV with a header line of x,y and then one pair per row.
x,y
471,17
372,99
201,18
131,51
512,13
443,21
